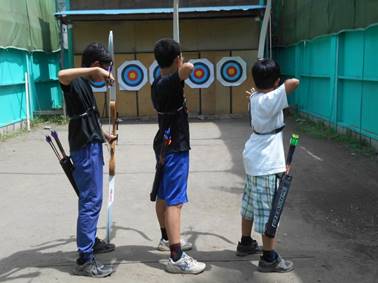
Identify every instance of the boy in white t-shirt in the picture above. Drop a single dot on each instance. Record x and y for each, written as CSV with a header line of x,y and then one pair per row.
x,y
264,158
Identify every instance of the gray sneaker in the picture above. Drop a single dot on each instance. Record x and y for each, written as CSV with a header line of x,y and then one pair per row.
x,y
185,265
164,245
279,265
92,269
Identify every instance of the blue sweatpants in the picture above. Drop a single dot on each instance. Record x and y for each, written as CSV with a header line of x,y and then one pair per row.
x,y
88,163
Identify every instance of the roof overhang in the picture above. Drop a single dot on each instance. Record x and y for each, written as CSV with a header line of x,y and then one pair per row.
x,y
162,13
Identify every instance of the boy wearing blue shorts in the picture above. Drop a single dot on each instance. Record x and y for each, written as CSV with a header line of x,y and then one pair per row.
x,y
264,159
169,101
85,139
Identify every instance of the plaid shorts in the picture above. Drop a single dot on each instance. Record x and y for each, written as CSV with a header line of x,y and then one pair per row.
x,y
257,199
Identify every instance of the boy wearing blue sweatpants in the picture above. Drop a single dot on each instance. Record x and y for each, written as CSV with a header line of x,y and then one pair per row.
x,y
85,140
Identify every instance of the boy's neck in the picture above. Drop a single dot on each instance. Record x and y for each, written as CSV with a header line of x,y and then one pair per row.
x,y
168,71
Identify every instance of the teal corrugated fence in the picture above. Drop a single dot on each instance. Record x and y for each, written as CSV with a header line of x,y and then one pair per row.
x,y
339,78
44,88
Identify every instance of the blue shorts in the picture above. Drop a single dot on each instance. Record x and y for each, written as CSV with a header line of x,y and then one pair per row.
x,y
174,183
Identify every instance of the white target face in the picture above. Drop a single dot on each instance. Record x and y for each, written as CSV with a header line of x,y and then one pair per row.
x,y
202,75
98,86
231,71
154,71
132,75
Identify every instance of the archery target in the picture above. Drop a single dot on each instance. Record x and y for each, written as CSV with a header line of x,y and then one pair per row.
x,y
132,75
231,71
202,75
154,71
98,86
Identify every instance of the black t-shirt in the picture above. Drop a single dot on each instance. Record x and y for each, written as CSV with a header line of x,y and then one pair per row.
x,y
167,95
84,126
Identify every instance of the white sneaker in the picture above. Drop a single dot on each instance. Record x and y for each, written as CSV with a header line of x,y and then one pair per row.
x,y
185,265
164,245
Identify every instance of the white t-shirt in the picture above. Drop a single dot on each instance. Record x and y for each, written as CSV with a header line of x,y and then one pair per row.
x,y
264,154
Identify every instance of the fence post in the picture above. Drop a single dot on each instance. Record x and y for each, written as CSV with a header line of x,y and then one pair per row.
x,y
334,73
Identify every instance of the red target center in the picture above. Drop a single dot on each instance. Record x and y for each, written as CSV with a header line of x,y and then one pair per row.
x,y
199,73
132,75
231,71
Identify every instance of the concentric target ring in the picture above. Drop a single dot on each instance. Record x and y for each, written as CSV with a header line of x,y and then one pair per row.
x,y
231,71
132,75
202,75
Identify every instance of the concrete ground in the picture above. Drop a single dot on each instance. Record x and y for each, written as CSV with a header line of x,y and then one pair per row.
x,y
329,226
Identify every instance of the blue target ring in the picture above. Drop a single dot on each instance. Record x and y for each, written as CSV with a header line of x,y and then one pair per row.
x,y
132,75
97,84
200,74
156,72
231,71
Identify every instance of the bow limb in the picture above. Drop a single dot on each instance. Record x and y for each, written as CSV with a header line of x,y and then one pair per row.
x,y
114,122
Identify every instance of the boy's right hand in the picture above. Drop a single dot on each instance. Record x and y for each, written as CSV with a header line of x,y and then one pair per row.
x,y
101,75
248,94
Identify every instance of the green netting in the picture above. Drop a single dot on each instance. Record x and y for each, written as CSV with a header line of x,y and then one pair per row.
x,y
296,20
29,24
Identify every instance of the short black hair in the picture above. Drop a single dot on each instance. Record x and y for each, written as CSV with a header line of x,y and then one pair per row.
x,y
95,52
166,50
265,73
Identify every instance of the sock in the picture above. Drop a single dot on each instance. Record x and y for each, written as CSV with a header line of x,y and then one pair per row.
x,y
270,256
164,234
246,240
176,251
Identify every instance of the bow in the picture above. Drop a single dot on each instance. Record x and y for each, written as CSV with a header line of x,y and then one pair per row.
x,y
113,123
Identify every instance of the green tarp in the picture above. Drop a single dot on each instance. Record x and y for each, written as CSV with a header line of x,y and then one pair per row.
x,y
296,20
29,25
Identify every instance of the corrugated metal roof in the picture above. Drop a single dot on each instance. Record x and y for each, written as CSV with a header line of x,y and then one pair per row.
x,y
161,10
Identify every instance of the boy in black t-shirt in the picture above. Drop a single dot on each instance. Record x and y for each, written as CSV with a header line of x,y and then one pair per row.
x,y
169,101
85,139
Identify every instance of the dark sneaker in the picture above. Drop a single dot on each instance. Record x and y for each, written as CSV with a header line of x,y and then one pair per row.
x,y
279,265
243,250
93,269
101,247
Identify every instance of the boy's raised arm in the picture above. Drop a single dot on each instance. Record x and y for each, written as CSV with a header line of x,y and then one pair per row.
x,y
98,74
291,85
185,70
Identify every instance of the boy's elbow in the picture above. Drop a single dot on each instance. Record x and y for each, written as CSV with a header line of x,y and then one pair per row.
x,y
62,77
291,85
186,70
296,82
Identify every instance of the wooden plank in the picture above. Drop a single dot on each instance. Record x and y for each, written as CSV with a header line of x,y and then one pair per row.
x,y
215,98
126,100
192,95
239,102
144,94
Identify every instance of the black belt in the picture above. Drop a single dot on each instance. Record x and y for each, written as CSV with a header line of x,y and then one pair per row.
x,y
86,113
171,113
275,131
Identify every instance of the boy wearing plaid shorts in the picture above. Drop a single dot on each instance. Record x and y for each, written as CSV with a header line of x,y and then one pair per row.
x,y
264,158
